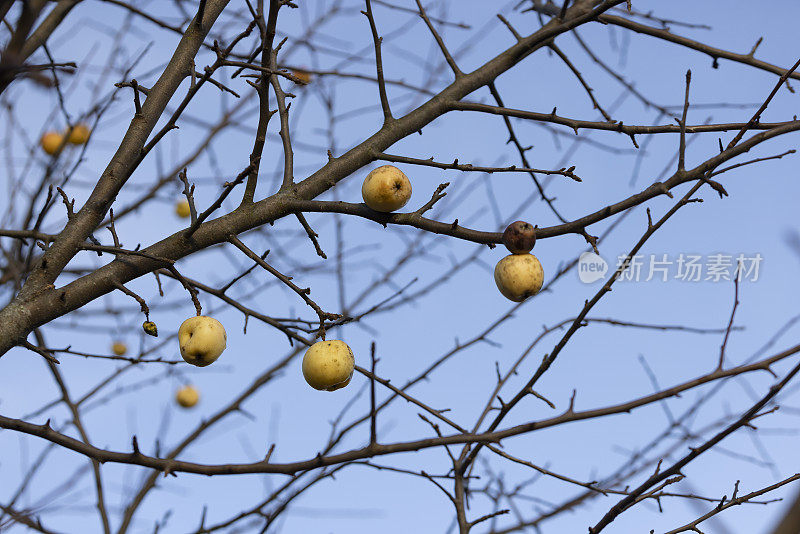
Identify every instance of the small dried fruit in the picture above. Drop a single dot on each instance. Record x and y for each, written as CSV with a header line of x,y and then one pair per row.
x,y
302,75
150,328
519,237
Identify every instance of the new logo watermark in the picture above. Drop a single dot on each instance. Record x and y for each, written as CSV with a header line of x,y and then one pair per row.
x,y
591,267
684,267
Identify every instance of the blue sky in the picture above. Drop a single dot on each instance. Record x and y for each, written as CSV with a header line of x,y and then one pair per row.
x,y
602,363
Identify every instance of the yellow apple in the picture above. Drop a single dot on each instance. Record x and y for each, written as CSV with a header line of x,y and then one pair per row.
x,y
182,209
386,189
119,348
202,339
51,141
519,276
328,365
79,134
187,396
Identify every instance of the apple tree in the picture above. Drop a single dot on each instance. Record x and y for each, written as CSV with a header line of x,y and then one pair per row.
x,y
254,274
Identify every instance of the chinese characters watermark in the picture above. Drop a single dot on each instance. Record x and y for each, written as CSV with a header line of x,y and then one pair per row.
x,y
685,267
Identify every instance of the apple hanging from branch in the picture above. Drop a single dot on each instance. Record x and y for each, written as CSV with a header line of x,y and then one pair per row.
x,y
202,339
328,365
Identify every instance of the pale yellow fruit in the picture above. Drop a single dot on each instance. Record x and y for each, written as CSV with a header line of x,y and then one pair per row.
x,y
51,141
386,189
119,348
328,365
79,134
187,396
182,209
519,276
202,339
